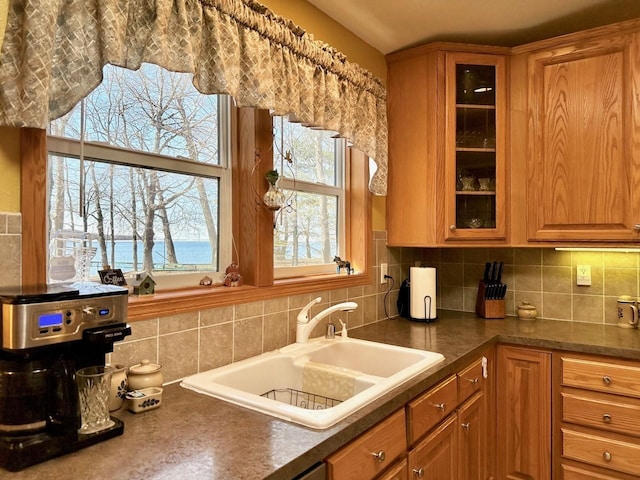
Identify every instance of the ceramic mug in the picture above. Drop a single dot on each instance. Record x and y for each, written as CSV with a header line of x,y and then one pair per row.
x,y
627,312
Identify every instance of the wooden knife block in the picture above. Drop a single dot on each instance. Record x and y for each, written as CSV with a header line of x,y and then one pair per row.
x,y
488,308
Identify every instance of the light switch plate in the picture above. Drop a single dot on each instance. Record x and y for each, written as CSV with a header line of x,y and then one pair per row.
x,y
583,275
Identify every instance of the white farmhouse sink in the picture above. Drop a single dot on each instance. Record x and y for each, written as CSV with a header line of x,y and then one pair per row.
x,y
278,383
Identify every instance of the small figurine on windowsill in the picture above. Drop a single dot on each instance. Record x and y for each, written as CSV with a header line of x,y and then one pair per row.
x,y
342,264
232,276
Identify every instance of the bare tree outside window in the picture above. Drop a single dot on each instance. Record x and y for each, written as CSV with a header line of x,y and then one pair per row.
x,y
143,183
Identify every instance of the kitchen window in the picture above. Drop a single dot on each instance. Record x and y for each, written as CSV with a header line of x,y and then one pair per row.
x,y
309,230
139,179
251,131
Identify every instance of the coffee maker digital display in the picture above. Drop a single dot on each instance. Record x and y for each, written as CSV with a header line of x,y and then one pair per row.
x,y
50,320
46,335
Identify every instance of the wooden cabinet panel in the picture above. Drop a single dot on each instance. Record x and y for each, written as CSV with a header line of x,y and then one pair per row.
x,y
601,451
606,412
387,440
397,472
472,439
426,411
523,413
584,141
414,149
601,376
435,457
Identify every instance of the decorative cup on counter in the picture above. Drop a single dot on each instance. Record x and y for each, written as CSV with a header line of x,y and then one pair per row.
x,y
118,386
627,312
94,384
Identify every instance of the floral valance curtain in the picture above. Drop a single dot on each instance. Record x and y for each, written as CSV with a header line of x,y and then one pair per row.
x,y
54,50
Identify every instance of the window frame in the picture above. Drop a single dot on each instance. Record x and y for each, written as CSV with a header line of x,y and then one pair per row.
x,y
251,132
339,191
109,154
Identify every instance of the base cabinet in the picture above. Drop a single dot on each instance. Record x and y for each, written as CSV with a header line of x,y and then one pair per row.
x,y
597,423
523,413
437,456
447,434
472,438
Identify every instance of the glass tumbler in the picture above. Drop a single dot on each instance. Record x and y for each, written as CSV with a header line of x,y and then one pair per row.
x,y
94,385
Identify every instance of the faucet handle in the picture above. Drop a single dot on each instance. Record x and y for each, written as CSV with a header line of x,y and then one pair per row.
x,y
303,316
331,331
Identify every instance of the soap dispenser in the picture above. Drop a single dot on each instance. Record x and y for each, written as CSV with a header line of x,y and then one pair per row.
x,y
343,334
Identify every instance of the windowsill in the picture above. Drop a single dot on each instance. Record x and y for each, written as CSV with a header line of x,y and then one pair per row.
x,y
202,298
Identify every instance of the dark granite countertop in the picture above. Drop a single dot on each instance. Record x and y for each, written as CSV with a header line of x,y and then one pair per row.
x,y
196,436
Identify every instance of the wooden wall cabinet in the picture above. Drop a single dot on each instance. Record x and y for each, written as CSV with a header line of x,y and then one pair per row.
x,y
582,124
447,181
523,413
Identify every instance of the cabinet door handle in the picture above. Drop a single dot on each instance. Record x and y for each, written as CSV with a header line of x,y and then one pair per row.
x,y
440,406
452,228
606,379
466,426
474,381
380,456
606,418
636,227
418,472
607,456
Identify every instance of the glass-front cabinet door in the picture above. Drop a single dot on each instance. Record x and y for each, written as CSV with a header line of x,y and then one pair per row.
x,y
475,147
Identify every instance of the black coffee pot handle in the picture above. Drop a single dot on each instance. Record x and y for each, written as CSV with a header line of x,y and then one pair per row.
x,y
64,414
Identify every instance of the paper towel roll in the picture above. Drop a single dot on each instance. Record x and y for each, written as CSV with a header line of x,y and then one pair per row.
x,y
423,292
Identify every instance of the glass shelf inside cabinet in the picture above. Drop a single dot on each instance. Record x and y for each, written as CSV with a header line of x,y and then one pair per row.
x,y
475,146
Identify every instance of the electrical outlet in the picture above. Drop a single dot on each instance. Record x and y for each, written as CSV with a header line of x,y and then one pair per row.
x,y
583,275
384,270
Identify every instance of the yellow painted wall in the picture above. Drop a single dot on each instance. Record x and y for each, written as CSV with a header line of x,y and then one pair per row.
x,y
325,29
10,168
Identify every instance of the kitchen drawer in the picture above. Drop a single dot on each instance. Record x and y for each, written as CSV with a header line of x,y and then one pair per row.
x,y
397,472
427,410
470,381
606,412
569,472
358,459
619,455
603,376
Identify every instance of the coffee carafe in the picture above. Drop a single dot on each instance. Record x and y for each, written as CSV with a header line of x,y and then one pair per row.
x,y
46,335
36,394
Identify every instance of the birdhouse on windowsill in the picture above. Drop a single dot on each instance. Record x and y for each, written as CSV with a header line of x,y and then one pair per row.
x,y
143,284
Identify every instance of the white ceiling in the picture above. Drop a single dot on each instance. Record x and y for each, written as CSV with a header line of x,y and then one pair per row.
x,y
391,25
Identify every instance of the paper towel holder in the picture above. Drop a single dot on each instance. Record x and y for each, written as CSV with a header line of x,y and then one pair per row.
x,y
427,317
404,310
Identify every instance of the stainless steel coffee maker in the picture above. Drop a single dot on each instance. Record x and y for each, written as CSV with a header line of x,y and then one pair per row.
x,y
46,335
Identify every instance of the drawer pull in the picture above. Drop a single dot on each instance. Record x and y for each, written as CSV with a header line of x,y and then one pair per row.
x,y
607,456
380,456
474,381
606,418
466,426
440,406
607,380
418,472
